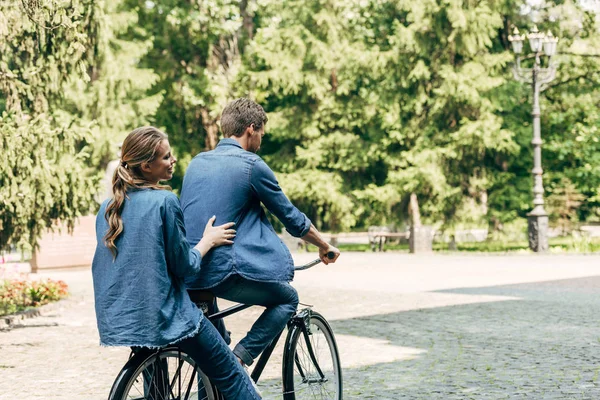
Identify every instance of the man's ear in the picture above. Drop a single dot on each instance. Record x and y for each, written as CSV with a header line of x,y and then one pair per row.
x,y
250,129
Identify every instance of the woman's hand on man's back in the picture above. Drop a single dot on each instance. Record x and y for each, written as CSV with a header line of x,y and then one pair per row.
x,y
215,236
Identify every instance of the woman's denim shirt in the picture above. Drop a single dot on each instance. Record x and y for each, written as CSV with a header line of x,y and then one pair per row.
x,y
233,184
141,299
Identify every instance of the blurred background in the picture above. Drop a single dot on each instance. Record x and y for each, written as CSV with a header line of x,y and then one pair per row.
x,y
383,114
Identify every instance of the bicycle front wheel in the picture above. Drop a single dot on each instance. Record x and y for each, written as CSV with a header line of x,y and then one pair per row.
x,y
311,362
167,374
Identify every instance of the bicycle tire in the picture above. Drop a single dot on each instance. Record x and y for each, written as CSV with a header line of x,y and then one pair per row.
x,y
301,379
138,378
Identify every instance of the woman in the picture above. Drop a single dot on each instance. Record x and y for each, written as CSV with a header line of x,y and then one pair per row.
x,y
142,258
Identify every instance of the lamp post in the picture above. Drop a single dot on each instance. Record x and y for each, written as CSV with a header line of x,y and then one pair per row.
x,y
541,45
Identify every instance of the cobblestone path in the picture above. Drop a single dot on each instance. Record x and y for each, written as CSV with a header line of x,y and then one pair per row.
x,y
408,327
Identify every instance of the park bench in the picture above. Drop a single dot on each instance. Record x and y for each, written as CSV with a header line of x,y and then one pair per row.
x,y
375,237
379,235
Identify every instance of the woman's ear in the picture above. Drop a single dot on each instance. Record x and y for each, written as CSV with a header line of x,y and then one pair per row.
x,y
146,167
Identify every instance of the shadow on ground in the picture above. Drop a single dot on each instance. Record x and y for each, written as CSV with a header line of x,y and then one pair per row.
x,y
546,345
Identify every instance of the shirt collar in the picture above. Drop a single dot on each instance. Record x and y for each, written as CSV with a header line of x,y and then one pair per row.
x,y
229,142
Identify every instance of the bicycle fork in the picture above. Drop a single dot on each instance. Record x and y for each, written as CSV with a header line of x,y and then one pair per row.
x,y
302,321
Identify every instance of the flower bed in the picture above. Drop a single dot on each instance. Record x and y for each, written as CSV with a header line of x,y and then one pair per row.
x,y
18,295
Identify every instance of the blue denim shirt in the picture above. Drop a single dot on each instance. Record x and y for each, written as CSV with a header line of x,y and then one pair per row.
x,y
141,298
231,183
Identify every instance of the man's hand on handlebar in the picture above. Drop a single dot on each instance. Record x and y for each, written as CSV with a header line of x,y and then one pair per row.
x,y
329,254
314,237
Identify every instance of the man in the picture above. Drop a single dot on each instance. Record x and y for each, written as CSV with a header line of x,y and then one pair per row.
x,y
231,182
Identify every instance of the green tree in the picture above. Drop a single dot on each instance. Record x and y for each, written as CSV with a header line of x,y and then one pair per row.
x,y
116,99
570,119
390,98
195,54
563,204
43,172
571,123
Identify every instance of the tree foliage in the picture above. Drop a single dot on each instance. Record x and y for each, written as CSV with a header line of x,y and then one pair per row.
x,y
115,99
43,173
195,53
373,104
388,95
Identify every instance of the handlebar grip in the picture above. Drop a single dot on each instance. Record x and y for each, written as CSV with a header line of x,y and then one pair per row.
x,y
331,255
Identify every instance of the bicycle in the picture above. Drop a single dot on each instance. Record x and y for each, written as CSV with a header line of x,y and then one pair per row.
x,y
311,362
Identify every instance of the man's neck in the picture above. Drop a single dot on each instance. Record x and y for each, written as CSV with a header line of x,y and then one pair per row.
x,y
242,141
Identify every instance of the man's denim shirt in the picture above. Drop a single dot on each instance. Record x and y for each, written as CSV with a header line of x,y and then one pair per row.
x,y
231,183
141,299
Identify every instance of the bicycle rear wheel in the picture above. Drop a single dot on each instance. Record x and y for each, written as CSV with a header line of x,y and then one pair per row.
x,y
311,362
166,374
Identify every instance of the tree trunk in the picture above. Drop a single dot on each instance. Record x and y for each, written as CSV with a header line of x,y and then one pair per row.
x,y
247,22
415,215
483,197
211,129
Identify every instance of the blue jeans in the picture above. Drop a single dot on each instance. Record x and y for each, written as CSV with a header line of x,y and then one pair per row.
x,y
280,300
210,352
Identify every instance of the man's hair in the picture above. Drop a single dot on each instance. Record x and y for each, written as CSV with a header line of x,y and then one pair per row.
x,y
239,115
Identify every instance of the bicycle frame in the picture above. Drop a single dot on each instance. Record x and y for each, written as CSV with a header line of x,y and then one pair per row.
x,y
300,319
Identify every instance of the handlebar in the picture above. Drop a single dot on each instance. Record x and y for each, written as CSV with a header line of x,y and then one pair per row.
x,y
330,255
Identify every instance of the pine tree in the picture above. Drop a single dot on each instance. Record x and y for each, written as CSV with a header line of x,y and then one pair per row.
x,y
388,99
563,204
117,98
43,173
195,53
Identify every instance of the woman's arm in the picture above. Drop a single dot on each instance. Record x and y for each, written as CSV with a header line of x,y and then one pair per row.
x,y
182,259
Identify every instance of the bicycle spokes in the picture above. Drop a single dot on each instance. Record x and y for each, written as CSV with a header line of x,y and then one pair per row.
x,y
311,353
169,376
316,366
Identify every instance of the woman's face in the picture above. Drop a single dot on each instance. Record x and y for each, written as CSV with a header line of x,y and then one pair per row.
x,y
161,169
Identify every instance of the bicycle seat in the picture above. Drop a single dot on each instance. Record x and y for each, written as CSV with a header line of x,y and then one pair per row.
x,y
201,296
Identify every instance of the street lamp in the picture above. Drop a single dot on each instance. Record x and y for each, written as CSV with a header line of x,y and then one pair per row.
x,y
541,45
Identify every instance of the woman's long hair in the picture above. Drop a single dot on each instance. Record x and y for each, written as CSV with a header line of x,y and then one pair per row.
x,y
139,147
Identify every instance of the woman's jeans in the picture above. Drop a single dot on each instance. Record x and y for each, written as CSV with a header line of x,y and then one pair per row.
x,y
280,300
210,352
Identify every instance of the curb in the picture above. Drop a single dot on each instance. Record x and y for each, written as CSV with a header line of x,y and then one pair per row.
x,y
8,322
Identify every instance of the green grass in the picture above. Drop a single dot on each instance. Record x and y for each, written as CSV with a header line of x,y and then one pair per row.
x,y
565,244
367,247
485,247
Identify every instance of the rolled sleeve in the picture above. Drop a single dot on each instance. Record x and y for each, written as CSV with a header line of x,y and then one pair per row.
x,y
182,260
265,186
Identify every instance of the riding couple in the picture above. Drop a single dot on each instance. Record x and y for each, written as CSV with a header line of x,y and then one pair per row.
x,y
154,249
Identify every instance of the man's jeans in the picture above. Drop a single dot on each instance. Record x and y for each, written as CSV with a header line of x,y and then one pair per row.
x,y
281,301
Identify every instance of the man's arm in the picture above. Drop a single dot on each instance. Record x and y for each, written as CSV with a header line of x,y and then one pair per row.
x,y
265,185
314,237
267,189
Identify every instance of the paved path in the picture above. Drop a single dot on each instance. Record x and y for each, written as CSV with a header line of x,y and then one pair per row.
x,y
408,327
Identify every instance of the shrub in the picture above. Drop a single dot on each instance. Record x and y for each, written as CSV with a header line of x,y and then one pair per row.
x,y
17,295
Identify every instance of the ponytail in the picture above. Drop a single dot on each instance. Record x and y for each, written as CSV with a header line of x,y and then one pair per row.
x,y
139,147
